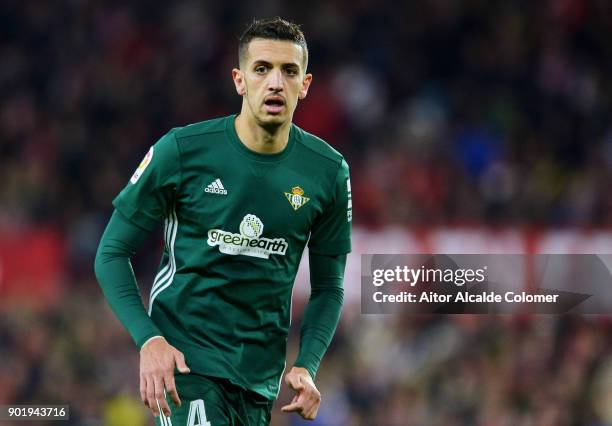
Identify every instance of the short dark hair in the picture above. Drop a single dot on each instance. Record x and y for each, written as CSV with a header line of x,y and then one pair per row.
x,y
272,29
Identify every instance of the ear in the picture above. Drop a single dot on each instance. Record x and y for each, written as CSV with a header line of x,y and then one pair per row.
x,y
238,78
305,85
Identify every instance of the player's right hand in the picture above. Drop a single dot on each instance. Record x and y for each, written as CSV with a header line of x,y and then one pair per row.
x,y
157,361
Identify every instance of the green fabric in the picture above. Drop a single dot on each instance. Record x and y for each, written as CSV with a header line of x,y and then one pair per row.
x,y
146,200
236,224
323,309
116,277
215,400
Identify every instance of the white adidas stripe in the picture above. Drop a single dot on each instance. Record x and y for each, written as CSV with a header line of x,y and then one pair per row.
x,y
167,226
166,279
162,418
218,182
165,421
165,276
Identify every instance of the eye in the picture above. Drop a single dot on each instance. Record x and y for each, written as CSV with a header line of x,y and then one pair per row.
x,y
291,71
261,69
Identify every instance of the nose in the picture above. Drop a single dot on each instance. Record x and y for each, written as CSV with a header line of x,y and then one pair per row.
x,y
275,82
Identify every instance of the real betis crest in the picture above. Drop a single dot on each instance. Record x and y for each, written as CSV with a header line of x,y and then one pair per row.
x,y
296,197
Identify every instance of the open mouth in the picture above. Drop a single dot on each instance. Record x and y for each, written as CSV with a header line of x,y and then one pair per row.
x,y
274,104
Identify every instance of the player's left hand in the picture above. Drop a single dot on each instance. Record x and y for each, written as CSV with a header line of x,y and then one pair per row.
x,y
307,400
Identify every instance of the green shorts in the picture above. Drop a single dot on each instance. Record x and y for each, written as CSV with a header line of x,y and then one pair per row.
x,y
211,401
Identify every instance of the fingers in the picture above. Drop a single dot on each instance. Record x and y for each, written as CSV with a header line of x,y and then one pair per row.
x,y
160,396
310,406
290,408
312,413
153,396
171,389
150,394
159,409
307,401
158,360
306,406
179,359
143,390
294,406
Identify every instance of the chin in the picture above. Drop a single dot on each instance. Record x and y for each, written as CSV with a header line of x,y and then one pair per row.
x,y
273,120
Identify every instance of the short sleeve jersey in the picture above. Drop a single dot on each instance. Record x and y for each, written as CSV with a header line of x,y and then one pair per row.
x,y
235,225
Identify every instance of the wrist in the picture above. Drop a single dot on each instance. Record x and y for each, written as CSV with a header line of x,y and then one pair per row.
x,y
302,371
149,340
303,363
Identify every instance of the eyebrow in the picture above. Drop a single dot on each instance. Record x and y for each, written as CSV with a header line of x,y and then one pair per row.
x,y
268,64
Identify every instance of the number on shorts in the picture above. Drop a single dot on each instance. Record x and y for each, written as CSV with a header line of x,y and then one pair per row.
x,y
197,414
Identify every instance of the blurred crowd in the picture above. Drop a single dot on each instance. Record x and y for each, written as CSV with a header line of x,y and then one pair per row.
x,y
380,371
449,112
469,370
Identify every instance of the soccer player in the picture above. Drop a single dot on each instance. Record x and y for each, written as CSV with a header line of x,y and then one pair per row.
x,y
240,197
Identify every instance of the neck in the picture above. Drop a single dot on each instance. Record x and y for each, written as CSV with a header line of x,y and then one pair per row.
x,y
260,138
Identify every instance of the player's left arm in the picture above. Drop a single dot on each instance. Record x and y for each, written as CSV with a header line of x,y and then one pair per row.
x,y
318,327
330,241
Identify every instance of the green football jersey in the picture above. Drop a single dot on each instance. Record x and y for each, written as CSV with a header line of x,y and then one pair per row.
x,y
236,224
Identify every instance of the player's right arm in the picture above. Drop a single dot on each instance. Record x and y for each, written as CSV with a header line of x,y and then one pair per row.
x,y
138,208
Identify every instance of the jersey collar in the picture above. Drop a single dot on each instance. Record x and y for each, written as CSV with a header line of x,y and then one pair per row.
x,y
230,130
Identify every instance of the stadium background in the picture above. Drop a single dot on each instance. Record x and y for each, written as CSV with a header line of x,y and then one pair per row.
x,y
469,126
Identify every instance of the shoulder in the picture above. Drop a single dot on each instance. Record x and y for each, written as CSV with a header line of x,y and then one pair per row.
x,y
181,140
201,128
319,148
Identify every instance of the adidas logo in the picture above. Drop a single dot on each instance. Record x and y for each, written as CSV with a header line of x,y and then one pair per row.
x,y
216,187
